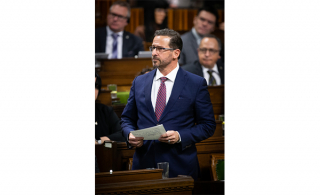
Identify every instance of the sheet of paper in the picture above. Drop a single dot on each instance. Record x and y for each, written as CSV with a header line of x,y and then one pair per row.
x,y
152,133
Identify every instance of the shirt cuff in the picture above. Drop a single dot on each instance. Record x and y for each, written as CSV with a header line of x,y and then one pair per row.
x,y
179,137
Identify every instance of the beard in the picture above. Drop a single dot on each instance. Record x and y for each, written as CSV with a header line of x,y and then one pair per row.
x,y
158,63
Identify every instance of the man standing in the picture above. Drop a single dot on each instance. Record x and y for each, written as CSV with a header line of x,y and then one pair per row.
x,y
203,24
208,66
175,98
112,39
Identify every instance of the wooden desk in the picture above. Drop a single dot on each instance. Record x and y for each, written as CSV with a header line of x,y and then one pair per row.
x,y
217,99
121,155
126,176
176,185
122,71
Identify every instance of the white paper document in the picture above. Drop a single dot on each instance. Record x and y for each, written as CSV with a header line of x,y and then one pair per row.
x,y
152,133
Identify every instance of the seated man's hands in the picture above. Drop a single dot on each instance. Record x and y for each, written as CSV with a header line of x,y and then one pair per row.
x,y
135,141
171,135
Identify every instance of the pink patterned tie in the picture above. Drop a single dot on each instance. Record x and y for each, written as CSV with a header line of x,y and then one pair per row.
x,y
161,98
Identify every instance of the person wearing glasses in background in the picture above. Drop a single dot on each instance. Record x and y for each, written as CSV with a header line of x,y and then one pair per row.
x,y
175,98
203,24
112,39
208,66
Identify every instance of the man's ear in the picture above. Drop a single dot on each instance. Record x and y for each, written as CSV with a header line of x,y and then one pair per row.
x,y
176,53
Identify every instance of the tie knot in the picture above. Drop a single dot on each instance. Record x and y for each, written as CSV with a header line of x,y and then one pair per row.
x,y
210,71
114,35
163,79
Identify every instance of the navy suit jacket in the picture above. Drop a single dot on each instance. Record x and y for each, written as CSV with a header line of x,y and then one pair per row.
x,y
131,44
188,111
196,68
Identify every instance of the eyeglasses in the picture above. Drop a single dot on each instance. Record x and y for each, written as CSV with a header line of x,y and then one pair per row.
x,y
203,20
119,16
159,49
211,51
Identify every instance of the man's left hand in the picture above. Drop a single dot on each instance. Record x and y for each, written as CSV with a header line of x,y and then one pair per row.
x,y
170,137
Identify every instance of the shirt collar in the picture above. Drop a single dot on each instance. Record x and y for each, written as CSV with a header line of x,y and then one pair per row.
x,y
171,76
215,68
110,32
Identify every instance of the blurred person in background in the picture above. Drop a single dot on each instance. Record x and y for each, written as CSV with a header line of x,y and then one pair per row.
x,y
203,24
208,66
155,18
107,123
112,39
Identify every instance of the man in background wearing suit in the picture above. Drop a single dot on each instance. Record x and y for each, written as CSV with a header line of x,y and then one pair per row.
x,y
112,39
208,66
203,24
175,98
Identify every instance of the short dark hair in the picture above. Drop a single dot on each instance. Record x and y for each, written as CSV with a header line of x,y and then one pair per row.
x,y
98,83
123,4
215,37
210,9
175,39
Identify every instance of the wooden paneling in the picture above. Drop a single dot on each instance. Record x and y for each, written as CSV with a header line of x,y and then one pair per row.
x,y
177,185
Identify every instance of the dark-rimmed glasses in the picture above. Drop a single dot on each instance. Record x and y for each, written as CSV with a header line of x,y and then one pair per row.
x,y
119,16
159,49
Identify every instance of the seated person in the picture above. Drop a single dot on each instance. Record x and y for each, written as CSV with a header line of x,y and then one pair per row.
x,y
203,24
208,66
155,18
112,39
107,122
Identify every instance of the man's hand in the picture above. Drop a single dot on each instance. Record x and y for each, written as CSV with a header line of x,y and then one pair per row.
x,y
170,137
104,138
135,141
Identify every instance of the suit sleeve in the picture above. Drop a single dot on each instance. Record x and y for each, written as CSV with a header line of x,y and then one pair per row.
x,y
129,114
204,118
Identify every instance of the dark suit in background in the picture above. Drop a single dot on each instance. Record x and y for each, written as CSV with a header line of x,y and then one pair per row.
x,y
196,68
131,44
189,52
107,123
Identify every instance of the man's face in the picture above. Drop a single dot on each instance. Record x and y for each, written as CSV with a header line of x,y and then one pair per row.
x,y
208,52
117,18
161,58
204,23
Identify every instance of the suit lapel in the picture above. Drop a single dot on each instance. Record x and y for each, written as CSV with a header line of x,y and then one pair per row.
x,y
199,68
194,44
147,92
104,40
125,43
176,91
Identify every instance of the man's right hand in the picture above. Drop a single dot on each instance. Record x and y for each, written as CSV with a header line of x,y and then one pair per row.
x,y
135,141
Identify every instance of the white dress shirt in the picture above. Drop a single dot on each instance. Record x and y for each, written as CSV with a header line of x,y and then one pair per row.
x,y
109,43
169,85
215,74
